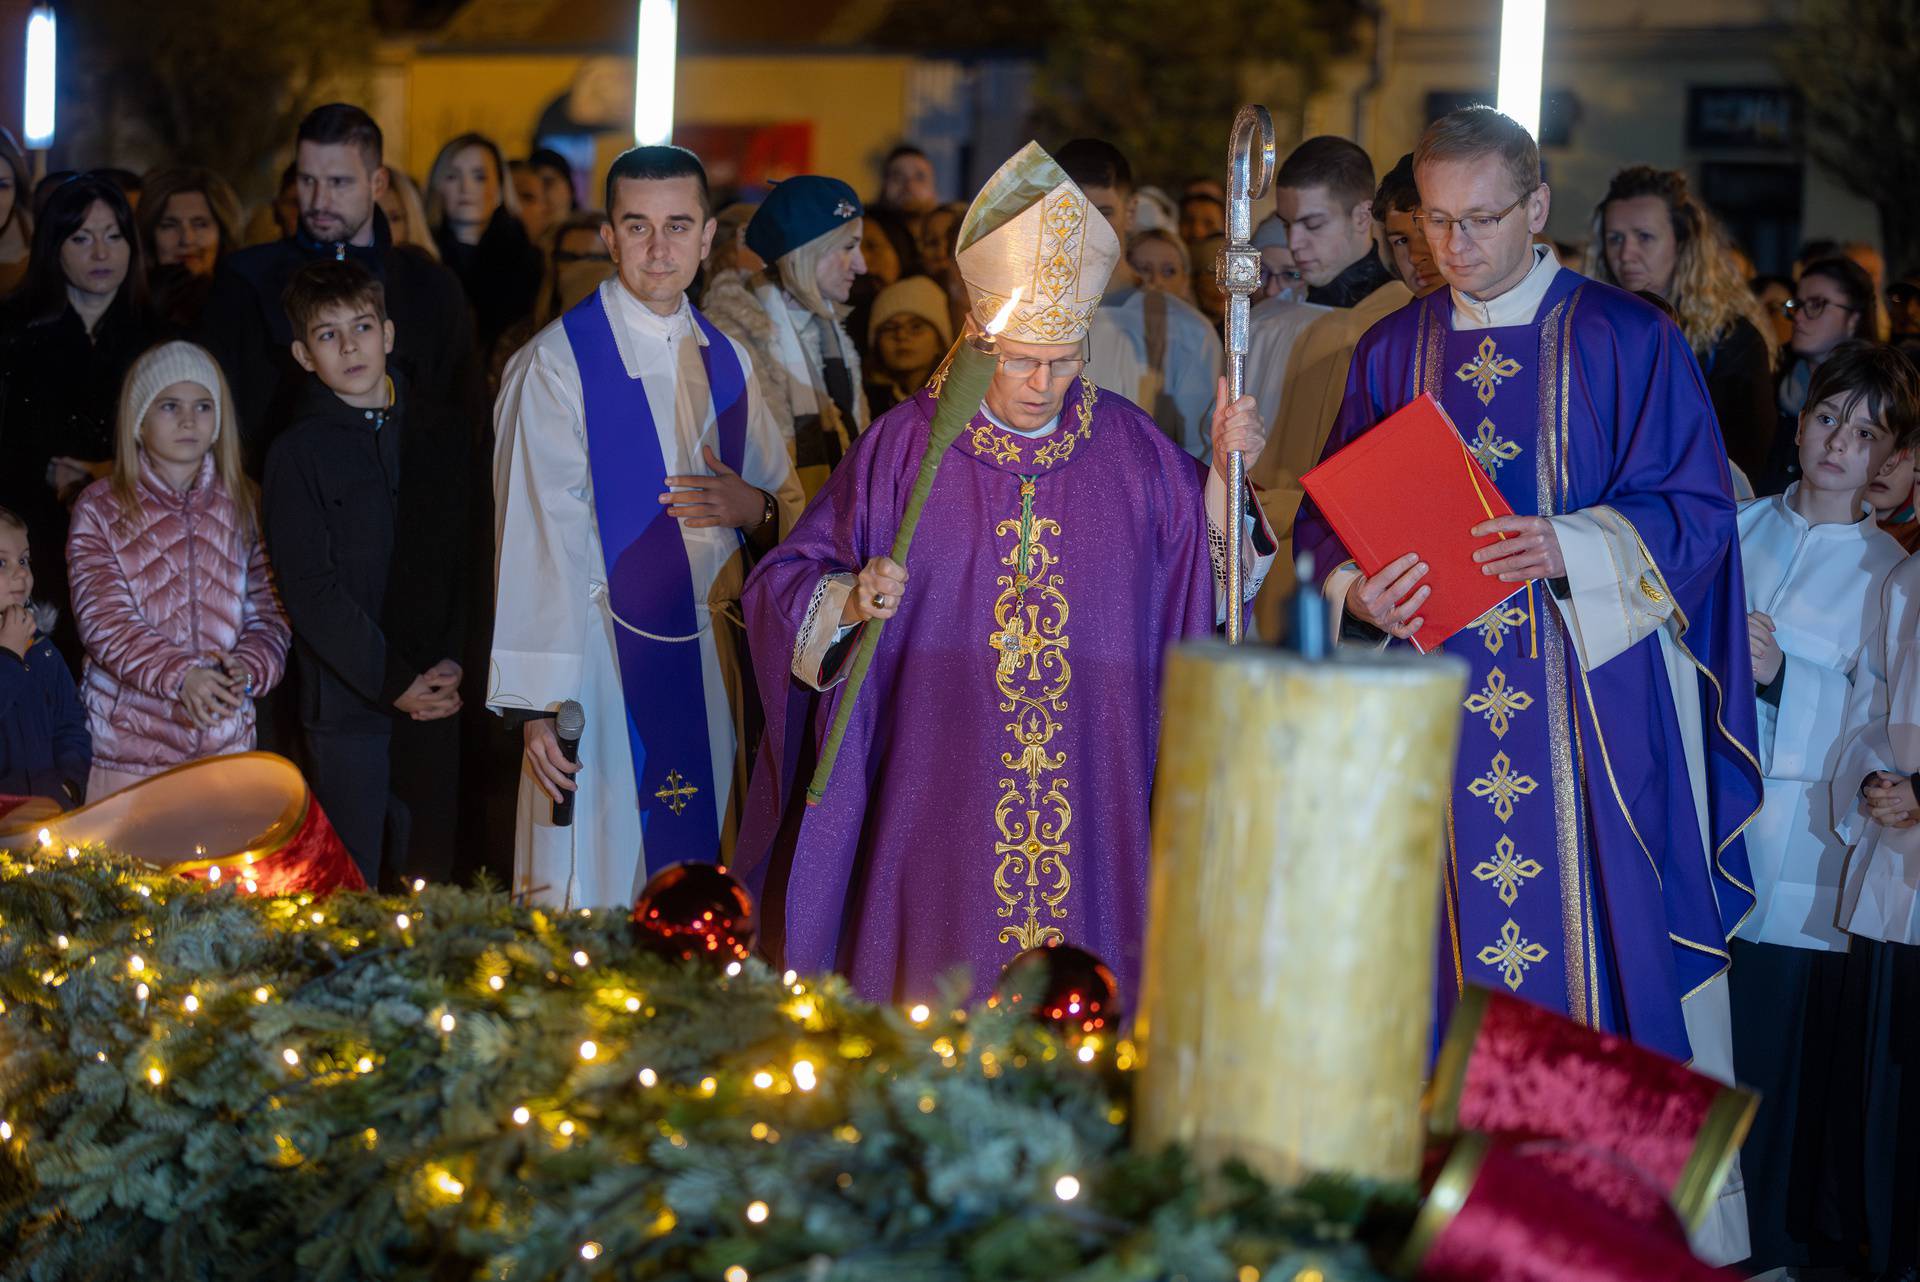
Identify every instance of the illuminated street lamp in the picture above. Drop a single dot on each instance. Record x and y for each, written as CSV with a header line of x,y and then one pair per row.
x,y
37,115
653,61
1523,36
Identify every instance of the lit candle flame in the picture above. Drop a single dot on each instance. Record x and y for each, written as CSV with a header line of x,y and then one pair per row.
x,y
1005,314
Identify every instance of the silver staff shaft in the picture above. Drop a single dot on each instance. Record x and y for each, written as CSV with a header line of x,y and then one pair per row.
x,y
1249,173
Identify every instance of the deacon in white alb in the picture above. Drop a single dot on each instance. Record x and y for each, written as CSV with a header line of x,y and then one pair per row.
x,y
636,462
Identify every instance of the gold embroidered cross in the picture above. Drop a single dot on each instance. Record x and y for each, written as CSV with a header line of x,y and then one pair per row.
x,y
1512,955
1011,642
1494,623
676,791
1492,449
1024,639
1487,370
1496,700
1500,786
1506,872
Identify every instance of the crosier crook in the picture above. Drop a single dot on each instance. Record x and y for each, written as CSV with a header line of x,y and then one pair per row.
x,y
1237,272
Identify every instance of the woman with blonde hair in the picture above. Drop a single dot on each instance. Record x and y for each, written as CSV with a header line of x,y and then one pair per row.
x,y
475,219
1160,260
407,214
171,588
792,317
1649,233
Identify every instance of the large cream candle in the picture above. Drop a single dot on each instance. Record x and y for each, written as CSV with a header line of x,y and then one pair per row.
x,y
1287,997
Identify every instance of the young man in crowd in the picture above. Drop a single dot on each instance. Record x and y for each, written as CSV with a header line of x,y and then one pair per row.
x,y
1202,214
1404,249
1156,350
1323,194
1816,564
637,461
364,525
907,183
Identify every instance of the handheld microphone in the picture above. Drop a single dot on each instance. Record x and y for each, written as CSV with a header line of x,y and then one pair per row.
x,y
569,722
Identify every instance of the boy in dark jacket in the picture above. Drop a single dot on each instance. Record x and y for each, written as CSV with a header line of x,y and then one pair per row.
x,y
45,750
365,508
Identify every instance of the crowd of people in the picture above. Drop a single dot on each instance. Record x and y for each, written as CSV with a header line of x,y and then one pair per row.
x,y
366,478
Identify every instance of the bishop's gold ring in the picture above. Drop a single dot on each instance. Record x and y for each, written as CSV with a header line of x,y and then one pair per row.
x,y
879,600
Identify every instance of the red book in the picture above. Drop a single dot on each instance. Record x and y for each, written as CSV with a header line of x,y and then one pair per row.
x,y
1411,485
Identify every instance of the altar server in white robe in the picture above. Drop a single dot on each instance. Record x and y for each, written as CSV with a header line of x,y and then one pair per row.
x,y
1878,1015
1816,566
636,467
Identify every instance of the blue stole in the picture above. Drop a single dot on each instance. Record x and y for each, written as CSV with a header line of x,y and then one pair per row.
x,y
650,582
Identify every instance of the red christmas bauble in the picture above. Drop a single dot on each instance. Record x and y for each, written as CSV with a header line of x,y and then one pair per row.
x,y
1063,986
695,910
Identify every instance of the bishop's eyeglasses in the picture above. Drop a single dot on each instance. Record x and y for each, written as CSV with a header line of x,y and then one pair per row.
x,y
1064,367
1472,226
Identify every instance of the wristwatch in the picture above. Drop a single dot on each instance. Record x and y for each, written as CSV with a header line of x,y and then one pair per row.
x,y
768,508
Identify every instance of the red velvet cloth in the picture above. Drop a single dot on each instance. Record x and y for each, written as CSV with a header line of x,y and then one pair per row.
x,y
1520,1221
1611,1181
1533,1074
314,862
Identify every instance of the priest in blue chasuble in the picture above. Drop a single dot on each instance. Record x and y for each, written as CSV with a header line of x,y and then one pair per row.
x,y
1594,862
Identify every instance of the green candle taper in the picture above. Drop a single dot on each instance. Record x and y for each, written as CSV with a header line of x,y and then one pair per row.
x,y
970,367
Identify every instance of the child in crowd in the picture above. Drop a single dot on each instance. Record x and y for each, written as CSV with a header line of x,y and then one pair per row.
x,y
171,588
1816,564
1877,1005
1891,496
44,748
366,510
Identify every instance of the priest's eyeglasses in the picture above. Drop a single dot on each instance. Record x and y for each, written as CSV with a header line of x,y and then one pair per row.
x,y
1023,367
1473,226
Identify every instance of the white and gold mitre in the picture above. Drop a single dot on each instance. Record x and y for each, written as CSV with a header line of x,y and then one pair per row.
x,y
1031,230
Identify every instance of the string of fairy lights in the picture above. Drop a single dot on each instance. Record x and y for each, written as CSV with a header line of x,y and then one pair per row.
x,y
175,1005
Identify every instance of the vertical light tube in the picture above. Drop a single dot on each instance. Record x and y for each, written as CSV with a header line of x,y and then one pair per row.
x,y
37,116
654,54
1523,38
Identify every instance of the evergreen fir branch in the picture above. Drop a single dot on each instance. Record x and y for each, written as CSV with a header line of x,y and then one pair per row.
x,y
446,1086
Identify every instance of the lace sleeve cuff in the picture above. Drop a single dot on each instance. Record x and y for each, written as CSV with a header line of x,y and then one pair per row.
x,y
819,651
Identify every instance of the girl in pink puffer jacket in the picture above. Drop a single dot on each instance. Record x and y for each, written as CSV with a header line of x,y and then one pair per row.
x,y
171,587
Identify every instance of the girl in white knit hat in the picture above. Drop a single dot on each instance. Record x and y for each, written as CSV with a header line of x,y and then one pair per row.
x,y
171,588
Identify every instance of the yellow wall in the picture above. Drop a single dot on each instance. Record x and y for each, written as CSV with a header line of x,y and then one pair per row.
x,y
856,104
499,97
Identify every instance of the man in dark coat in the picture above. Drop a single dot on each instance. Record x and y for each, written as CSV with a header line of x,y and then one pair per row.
x,y
339,179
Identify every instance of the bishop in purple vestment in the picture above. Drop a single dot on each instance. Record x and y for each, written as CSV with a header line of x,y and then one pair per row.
x,y
992,791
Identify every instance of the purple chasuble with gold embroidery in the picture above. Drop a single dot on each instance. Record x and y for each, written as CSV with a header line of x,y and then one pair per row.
x,y
1575,874
992,790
